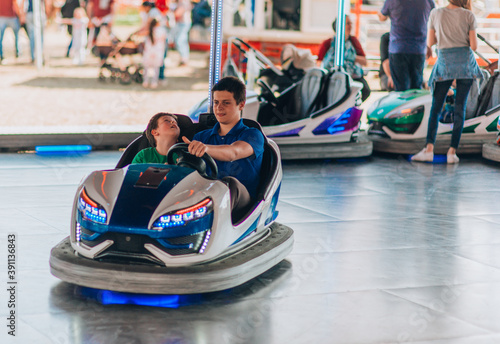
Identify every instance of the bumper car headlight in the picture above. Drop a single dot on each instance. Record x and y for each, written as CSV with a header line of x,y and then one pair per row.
x,y
182,217
90,209
406,114
405,120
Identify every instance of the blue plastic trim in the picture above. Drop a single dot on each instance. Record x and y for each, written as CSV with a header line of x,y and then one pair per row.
x,y
252,227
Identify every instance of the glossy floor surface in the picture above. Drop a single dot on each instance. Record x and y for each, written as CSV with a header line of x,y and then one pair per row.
x,y
386,251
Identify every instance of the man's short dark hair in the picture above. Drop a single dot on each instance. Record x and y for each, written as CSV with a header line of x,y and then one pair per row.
x,y
153,124
234,85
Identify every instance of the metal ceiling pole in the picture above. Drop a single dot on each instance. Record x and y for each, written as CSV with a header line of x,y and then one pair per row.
x,y
215,49
340,30
37,18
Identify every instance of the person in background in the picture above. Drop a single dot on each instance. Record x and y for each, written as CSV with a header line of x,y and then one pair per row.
x,y
10,16
354,56
30,22
453,29
163,6
407,48
386,83
67,12
100,12
158,10
182,13
154,52
79,24
492,67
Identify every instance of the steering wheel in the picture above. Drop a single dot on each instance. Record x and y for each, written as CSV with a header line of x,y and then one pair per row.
x,y
186,159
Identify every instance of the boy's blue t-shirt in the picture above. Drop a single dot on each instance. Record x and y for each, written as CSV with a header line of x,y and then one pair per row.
x,y
246,170
408,25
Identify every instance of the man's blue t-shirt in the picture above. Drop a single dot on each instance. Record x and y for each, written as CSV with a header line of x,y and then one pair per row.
x,y
246,170
408,25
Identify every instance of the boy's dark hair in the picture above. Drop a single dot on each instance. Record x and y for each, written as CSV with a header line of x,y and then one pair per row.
x,y
153,124
234,85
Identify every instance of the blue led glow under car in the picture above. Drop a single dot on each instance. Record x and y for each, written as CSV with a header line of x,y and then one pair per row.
x,y
183,216
90,210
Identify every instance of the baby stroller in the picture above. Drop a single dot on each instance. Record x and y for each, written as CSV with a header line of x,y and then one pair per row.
x,y
113,65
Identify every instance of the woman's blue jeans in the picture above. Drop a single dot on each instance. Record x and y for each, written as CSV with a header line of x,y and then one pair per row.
x,y
438,97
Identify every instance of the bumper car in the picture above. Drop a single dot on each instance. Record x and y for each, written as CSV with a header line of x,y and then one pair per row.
x,y
168,229
491,151
310,114
398,122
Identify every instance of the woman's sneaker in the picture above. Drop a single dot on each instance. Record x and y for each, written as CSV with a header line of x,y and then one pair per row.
x,y
452,159
423,156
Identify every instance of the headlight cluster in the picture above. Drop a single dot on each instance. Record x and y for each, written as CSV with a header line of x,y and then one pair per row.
x,y
405,120
184,216
90,209
406,113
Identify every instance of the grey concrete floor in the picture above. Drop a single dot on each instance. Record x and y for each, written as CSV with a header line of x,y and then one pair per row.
x,y
386,251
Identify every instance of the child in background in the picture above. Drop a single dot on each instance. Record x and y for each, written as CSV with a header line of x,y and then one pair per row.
x,y
154,52
80,22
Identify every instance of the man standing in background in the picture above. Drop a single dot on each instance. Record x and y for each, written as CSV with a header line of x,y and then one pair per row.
x,y
10,16
407,47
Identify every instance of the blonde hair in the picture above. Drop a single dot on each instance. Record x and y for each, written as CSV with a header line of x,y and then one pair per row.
x,y
462,3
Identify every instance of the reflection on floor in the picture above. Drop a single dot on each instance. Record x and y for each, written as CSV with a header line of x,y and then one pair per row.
x,y
386,251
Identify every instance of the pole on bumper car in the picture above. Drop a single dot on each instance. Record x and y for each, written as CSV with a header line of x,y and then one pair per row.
x,y
37,19
339,42
215,49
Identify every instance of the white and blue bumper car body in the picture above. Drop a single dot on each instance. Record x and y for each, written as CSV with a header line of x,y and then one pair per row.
x,y
316,117
167,229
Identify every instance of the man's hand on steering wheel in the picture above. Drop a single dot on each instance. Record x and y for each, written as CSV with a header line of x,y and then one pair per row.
x,y
196,148
203,164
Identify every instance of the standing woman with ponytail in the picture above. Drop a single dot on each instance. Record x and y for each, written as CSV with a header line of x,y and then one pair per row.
x,y
453,29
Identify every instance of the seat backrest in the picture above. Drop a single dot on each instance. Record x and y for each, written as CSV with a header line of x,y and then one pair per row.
x,y
495,94
472,100
269,161
132,149
487,99
308,91
337,87
484,81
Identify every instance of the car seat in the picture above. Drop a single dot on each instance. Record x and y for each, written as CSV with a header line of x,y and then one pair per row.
x,y
336,89
476,92
268,170
307,93
495,92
